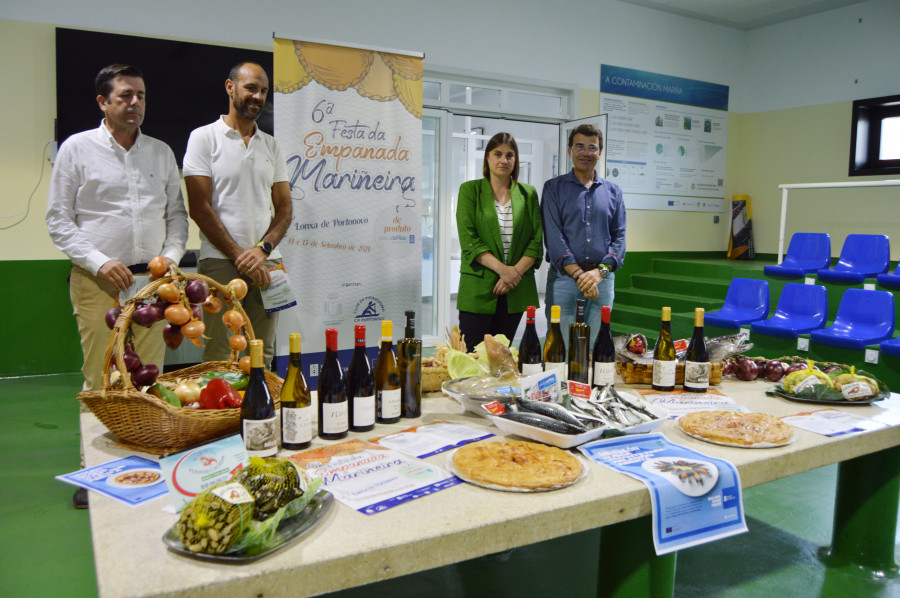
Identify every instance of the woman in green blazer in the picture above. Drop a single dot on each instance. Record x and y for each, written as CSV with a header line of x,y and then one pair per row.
x,y
500,234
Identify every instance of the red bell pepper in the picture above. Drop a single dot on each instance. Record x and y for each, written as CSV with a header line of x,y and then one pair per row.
x,y
219,394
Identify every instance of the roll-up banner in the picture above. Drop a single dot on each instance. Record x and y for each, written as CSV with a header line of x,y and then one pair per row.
x,y
350,123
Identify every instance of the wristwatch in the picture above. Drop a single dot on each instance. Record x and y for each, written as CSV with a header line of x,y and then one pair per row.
x,y
266,247
604,270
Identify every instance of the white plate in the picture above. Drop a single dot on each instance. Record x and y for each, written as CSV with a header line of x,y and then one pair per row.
x,y
463,477
141,478
757,445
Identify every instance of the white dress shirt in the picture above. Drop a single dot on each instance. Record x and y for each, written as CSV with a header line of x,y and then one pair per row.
x,y
242,179
107,203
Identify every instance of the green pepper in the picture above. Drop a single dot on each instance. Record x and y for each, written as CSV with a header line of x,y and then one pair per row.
x,y
167,395
238,380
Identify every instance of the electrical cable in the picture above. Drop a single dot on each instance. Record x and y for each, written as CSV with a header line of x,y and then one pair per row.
x,y
30,195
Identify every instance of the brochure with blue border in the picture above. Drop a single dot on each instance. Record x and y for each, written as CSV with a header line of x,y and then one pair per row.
x,y
131,480
695,498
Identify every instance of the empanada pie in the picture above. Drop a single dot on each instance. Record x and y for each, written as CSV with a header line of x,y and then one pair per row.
x,y
516,464
732,427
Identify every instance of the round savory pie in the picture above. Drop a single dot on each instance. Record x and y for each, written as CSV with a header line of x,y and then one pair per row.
x,y
516,464
736,428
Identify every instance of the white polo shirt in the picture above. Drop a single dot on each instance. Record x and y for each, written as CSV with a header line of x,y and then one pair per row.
x,y
242,179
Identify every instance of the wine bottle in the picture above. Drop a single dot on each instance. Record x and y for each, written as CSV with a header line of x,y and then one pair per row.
x,y
530,357
259,426
296,416
664,355
604,352
387,379
360,385
409,354
579,344
555,346
696,360
333,418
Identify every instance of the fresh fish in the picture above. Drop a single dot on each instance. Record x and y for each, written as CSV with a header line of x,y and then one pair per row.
x,y
592,410
542,421
553,410
633,405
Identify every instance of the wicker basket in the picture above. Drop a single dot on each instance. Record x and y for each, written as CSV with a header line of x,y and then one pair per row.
x,y
433,377
144,422
638,373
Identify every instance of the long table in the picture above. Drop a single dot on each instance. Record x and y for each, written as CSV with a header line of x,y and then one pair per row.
x,y
348,549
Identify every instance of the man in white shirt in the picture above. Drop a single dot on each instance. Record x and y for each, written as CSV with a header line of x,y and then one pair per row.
x,y
238,194
114,204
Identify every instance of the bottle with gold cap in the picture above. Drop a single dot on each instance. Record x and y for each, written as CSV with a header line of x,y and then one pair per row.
x,y
296,415
664,355
696,360
387,378
259,425
555,346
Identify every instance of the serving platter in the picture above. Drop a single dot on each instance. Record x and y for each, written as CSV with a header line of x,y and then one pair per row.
x,y
455,471
822,401
289,530
471,402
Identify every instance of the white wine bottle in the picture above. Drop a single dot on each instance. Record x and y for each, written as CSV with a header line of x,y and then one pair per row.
x,y
604,352
664,355
696,360
360,385
409,355
555,346
296,410
332,392
531,359
259,425
579,347
387,378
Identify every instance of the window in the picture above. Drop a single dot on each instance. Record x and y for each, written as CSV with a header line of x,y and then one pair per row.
x,y
875,137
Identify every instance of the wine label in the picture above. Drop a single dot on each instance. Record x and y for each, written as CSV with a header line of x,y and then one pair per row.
x,y
390,403
560,366
696,374
260,437
604,373
233,493
664,373
334,418
363,411
532,368
296,425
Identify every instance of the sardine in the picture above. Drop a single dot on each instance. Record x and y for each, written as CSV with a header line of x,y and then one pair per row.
x,y
553,410
542,421
633,404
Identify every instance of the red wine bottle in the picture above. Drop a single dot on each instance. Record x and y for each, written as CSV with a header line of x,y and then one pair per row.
x,y
360,385
604,352
333,419
531,359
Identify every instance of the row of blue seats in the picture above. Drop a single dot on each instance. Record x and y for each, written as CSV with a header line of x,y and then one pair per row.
x,y
862,256
864,317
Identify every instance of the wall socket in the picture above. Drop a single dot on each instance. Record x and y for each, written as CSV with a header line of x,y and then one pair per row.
x,y
715,219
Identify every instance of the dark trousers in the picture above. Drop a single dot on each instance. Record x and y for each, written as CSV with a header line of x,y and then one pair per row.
x,y
474,326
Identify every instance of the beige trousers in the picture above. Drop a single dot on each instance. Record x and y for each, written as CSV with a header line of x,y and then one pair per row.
x,y
92,296
264,324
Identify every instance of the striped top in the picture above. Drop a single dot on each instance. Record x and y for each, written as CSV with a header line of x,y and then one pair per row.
x,y
504,216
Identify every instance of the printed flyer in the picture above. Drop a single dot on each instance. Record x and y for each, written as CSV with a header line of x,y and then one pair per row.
x,y
431,439
371,478
131,480
695,499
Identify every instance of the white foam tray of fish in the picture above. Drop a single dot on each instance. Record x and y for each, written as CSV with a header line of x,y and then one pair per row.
x,y
566,441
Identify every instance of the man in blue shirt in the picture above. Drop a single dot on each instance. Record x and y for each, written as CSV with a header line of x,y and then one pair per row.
x,y
584,231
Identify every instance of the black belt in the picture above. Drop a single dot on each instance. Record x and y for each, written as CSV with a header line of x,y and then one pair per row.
x,y
139,268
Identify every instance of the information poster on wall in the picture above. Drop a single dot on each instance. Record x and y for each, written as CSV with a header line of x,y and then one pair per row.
x,y
666,139
350,123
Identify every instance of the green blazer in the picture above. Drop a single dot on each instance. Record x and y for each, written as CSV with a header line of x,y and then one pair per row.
x,y
479,231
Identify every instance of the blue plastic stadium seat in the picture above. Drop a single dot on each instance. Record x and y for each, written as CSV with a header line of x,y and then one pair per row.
x,y
890,280
801,308
862,256
863,318
747,300
807,253
891,347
